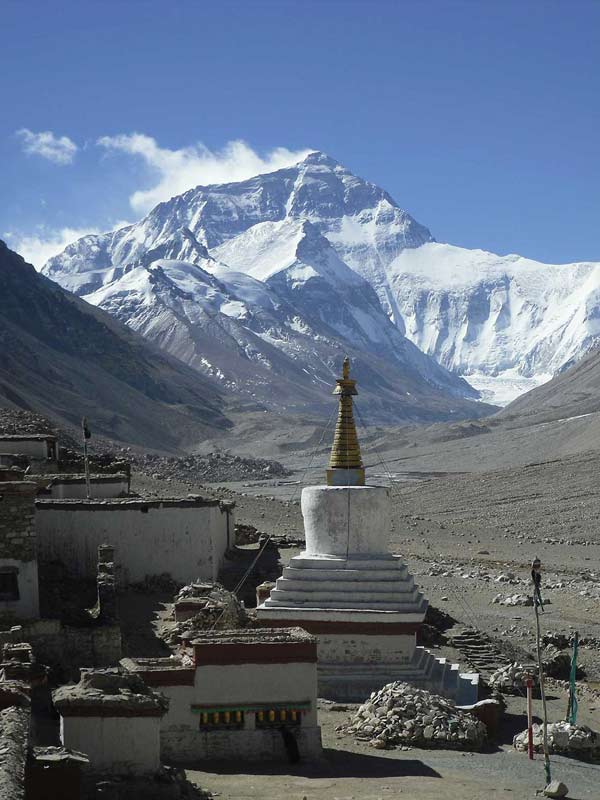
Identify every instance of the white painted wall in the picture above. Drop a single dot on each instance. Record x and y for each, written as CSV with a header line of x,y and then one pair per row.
x,y
101,489
28,604
182,739
242,683
35,448
346,520
258,683
188,542
119,745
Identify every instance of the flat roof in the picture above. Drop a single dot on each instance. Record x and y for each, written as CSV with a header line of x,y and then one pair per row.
x,y
253,636
79,477
27,437
127,503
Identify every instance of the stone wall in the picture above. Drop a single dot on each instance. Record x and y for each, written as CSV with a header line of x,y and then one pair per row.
x,y
68,648
185,745
185,538
14,741
17,520
19,594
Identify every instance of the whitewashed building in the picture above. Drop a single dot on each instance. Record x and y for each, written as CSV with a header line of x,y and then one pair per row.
x,y
186,538
113,718
240,694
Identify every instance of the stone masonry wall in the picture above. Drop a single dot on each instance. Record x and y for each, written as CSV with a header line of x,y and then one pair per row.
x,y
66,647
14,740
17,520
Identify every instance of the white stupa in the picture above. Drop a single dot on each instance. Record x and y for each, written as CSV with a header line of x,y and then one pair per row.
x,y
349,590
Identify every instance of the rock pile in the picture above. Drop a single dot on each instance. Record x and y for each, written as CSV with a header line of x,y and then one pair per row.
x,y
248,534
400,714
578,740
557,663
17,422
212,606
512,677
211,468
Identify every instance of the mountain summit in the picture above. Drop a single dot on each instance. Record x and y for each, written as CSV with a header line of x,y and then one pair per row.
x,y
257,284
504,322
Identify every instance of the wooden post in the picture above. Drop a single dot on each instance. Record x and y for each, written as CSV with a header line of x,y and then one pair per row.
x,y
542,692
86,435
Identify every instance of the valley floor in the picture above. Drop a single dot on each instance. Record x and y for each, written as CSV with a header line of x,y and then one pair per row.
x,y
468,535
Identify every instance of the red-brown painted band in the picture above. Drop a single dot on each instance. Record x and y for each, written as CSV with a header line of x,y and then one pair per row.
x,y
167,677
100,711
255,653
367,628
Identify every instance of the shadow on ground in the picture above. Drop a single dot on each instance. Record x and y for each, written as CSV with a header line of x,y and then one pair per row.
x,y
334,764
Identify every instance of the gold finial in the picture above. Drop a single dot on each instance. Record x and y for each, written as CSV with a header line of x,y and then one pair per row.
x,y
346,369
345,465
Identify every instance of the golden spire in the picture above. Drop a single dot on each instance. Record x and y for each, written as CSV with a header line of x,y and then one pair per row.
x,y
345,465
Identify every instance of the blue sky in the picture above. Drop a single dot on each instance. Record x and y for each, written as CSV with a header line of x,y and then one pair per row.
x,y
481,118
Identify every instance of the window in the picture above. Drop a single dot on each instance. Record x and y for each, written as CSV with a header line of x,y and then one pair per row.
x,y
9,584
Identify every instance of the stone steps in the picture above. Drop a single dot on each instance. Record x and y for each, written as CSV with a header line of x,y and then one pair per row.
x,y
392,588
356,562
437,675
322,600
343,573
478,650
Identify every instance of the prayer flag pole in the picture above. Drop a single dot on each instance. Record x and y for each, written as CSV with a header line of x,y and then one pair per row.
x,y
86,435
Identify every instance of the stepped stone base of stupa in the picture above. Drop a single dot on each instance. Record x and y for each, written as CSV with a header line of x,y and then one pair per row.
x,y
358,599
353,684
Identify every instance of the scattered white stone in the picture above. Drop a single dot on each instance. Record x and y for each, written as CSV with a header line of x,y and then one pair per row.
x,y
556,789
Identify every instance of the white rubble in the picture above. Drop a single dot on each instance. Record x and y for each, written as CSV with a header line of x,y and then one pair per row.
x,y
578,740
513,600
512,677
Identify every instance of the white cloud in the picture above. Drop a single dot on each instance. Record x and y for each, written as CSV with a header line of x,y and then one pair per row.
x,y
59,149
38,247
179,170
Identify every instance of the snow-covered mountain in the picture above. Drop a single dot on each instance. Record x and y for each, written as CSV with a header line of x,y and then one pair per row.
x,y
506,323
278,339
300,263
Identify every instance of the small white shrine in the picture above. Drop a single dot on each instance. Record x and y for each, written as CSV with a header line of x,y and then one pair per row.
x,y
347,589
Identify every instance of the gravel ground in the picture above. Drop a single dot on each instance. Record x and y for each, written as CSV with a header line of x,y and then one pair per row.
x,y
353,770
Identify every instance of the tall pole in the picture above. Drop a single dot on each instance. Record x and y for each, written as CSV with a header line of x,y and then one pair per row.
x,y
572,707
530,718
86,435
536,604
